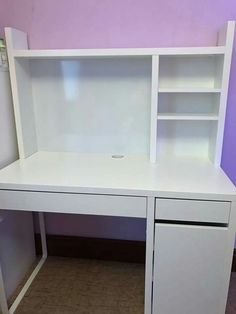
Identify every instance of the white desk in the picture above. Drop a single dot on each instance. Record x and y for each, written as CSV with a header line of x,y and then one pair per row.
x,y
158,102
177,195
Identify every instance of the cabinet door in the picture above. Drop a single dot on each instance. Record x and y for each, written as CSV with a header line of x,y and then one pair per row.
x,y
189,264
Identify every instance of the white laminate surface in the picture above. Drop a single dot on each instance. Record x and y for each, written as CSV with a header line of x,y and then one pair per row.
x,y
192,211
69,53
131,175
75,109
188,269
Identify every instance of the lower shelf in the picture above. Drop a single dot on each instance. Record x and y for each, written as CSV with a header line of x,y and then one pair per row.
x,y
66,285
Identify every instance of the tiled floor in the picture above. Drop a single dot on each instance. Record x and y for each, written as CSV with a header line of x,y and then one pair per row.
x,y
76,286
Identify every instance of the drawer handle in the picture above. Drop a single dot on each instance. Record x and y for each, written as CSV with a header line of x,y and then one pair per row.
x,y
191,223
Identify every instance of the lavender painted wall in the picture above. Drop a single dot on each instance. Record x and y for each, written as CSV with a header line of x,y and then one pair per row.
x,y
124,23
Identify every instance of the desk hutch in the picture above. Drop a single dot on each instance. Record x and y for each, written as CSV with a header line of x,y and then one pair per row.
x,y
131,133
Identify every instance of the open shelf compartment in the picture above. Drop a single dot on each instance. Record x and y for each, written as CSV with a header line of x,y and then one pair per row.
x,y
96,105
188,106
186,139
191,72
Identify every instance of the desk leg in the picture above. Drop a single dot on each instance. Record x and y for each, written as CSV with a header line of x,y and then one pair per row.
x,y
43,235
149,255
37,268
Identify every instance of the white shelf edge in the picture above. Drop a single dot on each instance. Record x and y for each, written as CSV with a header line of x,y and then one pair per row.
x,y
189,90
188,117
73,53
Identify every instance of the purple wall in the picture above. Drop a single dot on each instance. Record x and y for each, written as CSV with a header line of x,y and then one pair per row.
x,y
112,23
126,23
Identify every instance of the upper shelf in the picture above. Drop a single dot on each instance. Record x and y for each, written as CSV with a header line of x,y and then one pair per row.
x,y
75,53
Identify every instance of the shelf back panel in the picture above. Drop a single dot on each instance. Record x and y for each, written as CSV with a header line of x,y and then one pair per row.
x,y
93,106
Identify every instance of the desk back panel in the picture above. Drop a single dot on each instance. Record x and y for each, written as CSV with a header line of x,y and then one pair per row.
x,y
98,105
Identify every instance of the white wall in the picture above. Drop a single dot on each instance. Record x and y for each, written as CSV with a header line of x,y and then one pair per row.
x,y
16,230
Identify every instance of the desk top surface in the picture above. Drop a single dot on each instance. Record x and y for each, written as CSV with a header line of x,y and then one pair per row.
x,y
131,175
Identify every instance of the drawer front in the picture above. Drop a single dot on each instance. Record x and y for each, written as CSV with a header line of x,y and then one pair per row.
x,y
192,210
90,204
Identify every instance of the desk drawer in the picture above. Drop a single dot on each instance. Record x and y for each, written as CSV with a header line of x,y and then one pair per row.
x,y
90,204
192,210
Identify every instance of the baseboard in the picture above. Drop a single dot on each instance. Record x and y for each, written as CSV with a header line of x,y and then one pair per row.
x,y
234,262
94,248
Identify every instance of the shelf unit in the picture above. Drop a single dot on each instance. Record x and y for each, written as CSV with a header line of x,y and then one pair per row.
x,y
190,102
156,102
